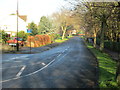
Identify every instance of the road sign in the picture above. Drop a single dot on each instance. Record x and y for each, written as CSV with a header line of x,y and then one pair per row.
x,y
29,30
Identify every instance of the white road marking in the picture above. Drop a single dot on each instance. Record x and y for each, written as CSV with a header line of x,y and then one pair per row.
x,y
28,74
63,51
20,72
43,64
66,49
63,56
35,71
59,55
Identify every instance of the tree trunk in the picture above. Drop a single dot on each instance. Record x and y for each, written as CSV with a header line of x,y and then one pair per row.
x,y
70,34
103,27
102,36
63,35
64,31
86,36
95,39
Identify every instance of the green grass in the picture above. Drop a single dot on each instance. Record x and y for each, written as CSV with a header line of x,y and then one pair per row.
x,y
69,36
107,69
60,40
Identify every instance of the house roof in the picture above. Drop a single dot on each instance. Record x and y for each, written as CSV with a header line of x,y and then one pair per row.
x,y
23,17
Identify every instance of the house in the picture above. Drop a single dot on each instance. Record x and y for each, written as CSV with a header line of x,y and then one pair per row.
x,y
9,24
71,32
74,32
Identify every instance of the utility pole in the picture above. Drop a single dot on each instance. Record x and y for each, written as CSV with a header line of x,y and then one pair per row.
x,y
17,46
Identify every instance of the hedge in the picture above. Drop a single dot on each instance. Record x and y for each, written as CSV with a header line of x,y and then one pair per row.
x,y
38,40
114,46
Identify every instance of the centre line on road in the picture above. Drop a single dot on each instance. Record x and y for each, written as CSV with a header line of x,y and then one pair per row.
x,y
66,49
18,75
59,55
20,72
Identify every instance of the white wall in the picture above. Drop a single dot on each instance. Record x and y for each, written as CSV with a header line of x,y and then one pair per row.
x,y
10,24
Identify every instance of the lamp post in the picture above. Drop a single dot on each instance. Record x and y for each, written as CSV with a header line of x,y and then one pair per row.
x,y
17,46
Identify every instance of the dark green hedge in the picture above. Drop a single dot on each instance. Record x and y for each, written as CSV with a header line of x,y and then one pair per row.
x,y
113,46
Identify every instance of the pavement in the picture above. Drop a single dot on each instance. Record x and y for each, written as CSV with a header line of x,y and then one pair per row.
x,y
69,65
28,50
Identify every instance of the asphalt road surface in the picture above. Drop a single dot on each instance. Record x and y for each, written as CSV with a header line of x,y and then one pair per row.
x,y
69,65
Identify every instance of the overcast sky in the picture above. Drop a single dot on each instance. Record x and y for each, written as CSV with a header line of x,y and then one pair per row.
x,y
34,9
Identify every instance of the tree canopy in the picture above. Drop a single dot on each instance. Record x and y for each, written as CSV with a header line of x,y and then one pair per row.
x,y
33,27
45,25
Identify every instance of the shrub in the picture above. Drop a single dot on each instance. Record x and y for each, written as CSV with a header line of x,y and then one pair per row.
x,y
113,46
4,37
54,37
23,35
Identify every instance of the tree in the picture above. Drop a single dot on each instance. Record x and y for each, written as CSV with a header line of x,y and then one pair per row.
x,y
23,35
33,27
4,36
64,21
108,16
45,25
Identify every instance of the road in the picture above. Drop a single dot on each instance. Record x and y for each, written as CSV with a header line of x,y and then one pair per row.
x,y
69,65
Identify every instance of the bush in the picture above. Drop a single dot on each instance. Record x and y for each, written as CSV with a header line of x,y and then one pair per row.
x,y
4,37
57,36
54,37
23,35
113,46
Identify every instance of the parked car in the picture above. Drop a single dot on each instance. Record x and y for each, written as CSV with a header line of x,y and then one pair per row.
x,y
13,41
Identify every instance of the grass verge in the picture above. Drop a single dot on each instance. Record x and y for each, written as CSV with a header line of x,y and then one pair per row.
x,y
107,68
61,40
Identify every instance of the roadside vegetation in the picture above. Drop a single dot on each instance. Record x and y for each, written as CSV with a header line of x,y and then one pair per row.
x,y
107,68
60,40
100,23
3,37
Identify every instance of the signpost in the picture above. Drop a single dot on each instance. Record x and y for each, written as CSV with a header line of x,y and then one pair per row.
x,y
29,31
17,28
